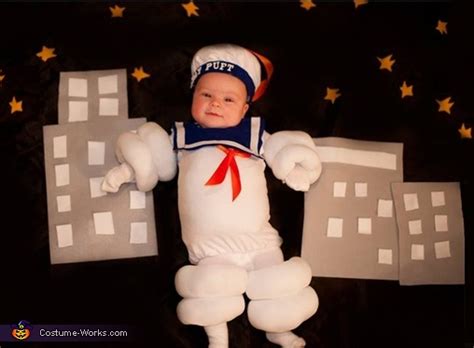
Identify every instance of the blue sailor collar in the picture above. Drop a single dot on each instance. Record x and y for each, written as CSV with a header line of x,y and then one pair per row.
x,y
246,136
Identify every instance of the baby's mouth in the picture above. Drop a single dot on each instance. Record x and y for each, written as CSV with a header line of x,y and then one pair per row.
x,y
213,114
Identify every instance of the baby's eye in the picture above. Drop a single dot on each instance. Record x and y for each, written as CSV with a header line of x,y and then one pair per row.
x,y
205,94
228,100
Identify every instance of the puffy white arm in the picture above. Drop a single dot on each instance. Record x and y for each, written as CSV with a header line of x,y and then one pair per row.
x,y
146,157
293,158
162,153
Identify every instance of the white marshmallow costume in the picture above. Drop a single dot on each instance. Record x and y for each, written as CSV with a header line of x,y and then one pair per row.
x,y
224,210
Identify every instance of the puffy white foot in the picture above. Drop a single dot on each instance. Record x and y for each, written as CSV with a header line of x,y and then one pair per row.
x,y
286,339
217,335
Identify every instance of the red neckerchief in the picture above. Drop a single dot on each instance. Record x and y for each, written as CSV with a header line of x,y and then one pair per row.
x,y
228,162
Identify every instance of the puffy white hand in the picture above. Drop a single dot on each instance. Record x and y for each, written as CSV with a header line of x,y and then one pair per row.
x,y
298,166
298,179
116,177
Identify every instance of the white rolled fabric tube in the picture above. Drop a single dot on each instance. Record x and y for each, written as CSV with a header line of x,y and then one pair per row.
x,y
210,311
279,280
210,281
284,313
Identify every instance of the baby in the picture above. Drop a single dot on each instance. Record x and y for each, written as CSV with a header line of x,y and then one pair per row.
x,y
222,198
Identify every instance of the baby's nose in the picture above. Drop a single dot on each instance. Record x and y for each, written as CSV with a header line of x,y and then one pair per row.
x,y
215,102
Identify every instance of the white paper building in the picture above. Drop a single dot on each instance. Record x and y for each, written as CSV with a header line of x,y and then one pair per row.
x,y
349,228
85,223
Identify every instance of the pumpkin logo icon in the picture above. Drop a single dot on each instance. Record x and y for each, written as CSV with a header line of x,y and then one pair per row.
x,y
21,331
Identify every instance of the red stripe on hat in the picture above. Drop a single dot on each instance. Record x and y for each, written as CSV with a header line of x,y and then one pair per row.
x,y
269,69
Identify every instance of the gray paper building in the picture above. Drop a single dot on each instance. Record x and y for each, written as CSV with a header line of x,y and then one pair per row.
x,y
85,223
349,228
92,95
431,231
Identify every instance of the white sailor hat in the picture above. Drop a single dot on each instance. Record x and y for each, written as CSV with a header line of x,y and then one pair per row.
x,y
234,60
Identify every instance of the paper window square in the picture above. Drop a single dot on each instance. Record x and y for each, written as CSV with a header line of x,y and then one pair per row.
x,y
78,111
411,201
103,223
77,87
96,150
361,189
60,147
62,174
108,106
138,233
364,226
441,223
417,252
414,227
64,234
385,208
334,227
64,203
339,189
442,250
437,199
108,84
95,185
385,256
137,200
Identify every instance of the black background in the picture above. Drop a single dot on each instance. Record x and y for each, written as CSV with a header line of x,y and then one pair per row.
x,y
333,45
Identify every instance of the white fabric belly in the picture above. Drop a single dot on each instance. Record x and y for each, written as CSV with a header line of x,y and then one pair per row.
x,y
213,224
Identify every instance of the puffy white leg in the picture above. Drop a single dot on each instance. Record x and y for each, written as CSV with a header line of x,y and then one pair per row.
x,y
281,299
210,281
212,297
279,280
284,313
210,311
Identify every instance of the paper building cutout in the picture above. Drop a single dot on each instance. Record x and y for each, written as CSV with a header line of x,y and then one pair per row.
x,y
91,213
86,223
431,236
92,95
349,228
362,221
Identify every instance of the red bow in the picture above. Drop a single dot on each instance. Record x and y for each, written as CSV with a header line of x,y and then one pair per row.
x,y
221,171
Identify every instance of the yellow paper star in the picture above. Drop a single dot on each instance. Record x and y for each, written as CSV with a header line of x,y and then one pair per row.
x,y
139,74
358,3
445,105
332,94
406,90
465,132
15,105
441,27
117,11
1,78
191,9
386,62
307,4
46,53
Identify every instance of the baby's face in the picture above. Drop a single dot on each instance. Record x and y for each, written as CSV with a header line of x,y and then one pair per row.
x,y
219,101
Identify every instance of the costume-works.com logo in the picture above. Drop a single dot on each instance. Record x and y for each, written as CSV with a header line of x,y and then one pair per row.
x,y
21,331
